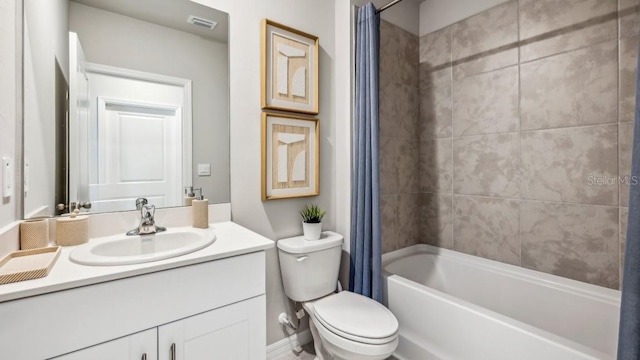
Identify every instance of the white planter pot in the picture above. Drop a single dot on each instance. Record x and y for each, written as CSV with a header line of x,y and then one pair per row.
x,y
311,231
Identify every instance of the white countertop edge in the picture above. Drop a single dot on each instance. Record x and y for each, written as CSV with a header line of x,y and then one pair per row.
x,y
231,240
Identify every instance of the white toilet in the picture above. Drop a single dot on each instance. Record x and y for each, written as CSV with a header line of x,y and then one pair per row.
x,y
345,325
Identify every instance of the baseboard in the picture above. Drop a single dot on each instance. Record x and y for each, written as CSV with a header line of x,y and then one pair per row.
x,y
284,346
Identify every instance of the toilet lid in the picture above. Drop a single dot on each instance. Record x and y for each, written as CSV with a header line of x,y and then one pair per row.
x,y
356,315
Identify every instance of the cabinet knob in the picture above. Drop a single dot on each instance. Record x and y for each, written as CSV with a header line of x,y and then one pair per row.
x,y
173,351
144,356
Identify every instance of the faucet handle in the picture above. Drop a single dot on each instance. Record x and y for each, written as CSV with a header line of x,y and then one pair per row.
x,y
140,202
148,211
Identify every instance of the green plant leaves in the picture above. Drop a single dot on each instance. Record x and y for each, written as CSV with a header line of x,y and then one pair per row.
x,y
312,214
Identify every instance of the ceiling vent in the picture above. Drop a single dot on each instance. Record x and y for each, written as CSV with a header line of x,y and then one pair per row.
x,y
205,23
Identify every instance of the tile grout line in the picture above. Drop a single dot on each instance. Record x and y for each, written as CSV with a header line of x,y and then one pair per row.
x,y
619,58
523,199
519,136
485,72
395,221
564,52
526,62
453,214
488,134
520,132
570,127
419,133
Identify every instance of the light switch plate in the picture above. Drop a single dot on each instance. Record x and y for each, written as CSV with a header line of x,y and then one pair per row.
x,y
7,177
204,169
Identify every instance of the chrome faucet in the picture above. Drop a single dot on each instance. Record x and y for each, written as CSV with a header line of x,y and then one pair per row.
x,y
147,224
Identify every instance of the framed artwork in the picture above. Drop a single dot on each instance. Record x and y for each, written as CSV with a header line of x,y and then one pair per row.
x,y
289,69
290,156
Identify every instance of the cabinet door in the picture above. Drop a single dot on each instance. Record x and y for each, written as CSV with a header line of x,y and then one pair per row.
x,y
233,332
139,346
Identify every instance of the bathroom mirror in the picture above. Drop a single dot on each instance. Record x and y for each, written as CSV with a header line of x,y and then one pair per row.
x,y
123,99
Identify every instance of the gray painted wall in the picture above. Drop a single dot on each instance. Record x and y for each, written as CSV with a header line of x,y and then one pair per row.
x,y
278,219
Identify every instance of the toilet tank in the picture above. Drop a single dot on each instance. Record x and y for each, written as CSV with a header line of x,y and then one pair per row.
x,y
310,267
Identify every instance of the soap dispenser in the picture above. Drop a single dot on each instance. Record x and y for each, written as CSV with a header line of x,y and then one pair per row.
x,y
190,195
200,211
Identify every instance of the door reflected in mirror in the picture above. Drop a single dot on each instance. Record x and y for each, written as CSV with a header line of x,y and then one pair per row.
x,y
147,104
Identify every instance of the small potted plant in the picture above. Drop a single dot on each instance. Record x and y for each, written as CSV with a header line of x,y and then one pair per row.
x,y
312,222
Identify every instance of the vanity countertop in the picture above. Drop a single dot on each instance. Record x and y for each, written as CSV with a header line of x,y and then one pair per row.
x,y
231,240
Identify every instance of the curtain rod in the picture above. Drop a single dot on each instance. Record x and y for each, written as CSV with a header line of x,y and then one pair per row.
x,y
394,2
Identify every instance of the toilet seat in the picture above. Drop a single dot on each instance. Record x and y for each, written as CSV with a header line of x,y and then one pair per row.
x,y
356,318
348,349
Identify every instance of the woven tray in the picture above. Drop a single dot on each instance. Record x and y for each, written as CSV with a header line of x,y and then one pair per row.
x,y
28,264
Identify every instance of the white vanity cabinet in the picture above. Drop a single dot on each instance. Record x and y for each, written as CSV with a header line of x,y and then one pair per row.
x,y
214,309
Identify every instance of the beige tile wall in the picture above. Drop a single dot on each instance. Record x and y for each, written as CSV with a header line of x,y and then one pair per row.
x,y
518,107
399,138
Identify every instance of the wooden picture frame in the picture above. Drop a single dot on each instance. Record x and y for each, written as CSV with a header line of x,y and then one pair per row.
x,y
290,156
289,69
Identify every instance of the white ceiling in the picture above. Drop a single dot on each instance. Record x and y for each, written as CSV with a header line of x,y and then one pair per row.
x,y
169,13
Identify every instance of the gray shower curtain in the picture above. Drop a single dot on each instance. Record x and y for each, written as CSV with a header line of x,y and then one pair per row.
x,y
629,335
366,244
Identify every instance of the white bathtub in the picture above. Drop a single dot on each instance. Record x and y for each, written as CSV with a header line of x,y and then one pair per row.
x,y
456,306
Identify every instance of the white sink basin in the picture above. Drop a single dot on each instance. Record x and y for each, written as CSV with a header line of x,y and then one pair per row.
x,y
126,250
